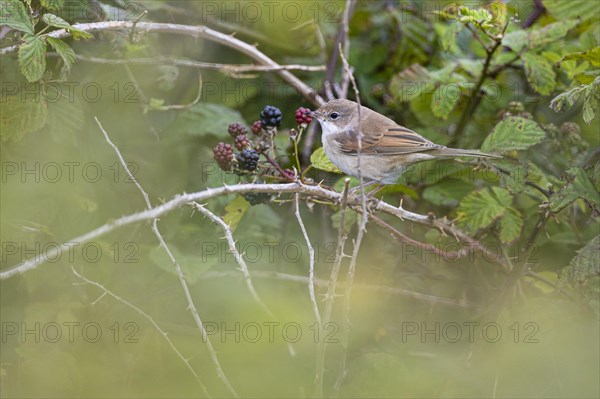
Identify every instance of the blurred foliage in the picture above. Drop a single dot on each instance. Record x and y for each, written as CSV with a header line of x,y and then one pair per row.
x,y
507,77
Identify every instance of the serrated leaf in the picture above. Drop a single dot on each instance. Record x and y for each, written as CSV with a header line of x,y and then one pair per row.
x,y
447,193
319,160
566,100
32,58
551,32
583,9
448,38
14,15
206,118
480,209
56,21
593,56
444,100
235,211
539,73
592,97
54,5
520,39
513,133
579,186
64,50
20,116
583,265
511,225
503,196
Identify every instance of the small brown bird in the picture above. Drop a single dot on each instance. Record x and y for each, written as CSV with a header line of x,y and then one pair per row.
x,y
387,148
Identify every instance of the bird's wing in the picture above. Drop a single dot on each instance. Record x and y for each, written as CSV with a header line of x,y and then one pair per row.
x,y
392,140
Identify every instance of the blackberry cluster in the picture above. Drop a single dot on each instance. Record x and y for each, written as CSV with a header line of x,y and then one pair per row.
x,y
223,154
303,116
270,116
247,160
256,127
236,129
241,142
257,198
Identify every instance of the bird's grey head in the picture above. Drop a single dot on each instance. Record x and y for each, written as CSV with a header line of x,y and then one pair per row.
x,y
336,115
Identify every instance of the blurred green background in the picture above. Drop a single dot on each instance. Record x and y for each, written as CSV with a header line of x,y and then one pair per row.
x,y
61,179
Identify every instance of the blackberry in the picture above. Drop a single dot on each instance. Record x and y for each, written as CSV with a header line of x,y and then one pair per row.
x,y
303,116
570,128
257,198
247,159
270,116
256,127
236,129
241,142
223,154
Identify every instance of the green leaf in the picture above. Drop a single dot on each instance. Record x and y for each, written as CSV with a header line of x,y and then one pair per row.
x,y
539,73
54,5
56,21
444,100
19,116
32,58
583,265
447,193
202,119
583,9
513,133
579,186
64,50
551,32
480,209
590,104
319,160
448,38
511,225
593,56
14,15
520,39
235,211
566,100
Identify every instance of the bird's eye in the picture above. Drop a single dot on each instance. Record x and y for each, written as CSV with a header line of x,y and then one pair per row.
x,y
334,115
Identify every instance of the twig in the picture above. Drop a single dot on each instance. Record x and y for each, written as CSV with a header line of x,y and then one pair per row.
x,y
163,333
311,260
273,275
191,306
194,31
230,69
476,97
359,235
201,196
330,296
236,254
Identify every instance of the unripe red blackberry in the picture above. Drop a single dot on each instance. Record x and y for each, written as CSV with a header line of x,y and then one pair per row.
x,y
303,116
236,129
241,142
247,160
223,154
257,127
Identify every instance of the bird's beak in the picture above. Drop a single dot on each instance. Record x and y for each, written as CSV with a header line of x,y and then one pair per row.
x,y
314,114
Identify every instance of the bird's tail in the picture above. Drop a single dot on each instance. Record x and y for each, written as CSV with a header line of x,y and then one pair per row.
x,y
458,152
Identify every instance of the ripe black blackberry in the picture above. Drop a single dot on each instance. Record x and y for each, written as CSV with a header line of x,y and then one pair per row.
x,y
270,116
257,198
223,154
302,116
256,127
241,142
236,129
247,160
